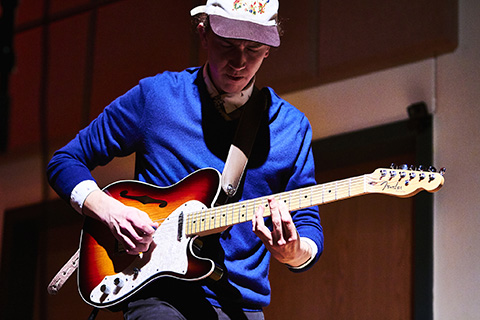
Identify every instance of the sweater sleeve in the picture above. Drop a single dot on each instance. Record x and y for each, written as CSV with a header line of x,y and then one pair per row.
x,y
307,221
114,133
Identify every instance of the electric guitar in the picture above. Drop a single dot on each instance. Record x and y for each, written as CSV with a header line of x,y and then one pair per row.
x,y
107,275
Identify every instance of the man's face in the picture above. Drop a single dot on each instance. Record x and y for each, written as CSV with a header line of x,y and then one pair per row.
x,y
232,62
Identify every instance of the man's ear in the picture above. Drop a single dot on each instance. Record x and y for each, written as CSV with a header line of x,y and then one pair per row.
x,y
267,53
202,33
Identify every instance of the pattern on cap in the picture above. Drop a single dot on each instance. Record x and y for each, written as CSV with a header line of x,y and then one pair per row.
x,y
251,6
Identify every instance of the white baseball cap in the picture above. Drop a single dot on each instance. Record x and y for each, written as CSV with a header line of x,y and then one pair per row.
x,y
254,20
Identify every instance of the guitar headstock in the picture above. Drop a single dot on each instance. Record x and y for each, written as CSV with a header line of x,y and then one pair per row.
x,y
404,181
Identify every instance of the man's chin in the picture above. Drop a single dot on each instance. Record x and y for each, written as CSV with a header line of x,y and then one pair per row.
x,y
234,86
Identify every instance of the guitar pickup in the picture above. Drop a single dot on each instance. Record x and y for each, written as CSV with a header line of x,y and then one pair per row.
x,y
180,227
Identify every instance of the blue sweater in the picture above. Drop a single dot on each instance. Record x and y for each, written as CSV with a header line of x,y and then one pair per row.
x,y
169,121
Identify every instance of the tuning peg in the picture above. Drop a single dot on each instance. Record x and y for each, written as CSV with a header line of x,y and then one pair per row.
x,y
420,168
432,169
404,167
442,171
393,173
392,165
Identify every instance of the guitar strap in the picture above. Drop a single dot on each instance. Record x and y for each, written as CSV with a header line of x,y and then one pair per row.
x,y
242,144
235,165
65,272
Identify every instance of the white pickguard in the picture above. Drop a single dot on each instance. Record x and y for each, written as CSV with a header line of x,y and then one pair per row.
x,y
167,254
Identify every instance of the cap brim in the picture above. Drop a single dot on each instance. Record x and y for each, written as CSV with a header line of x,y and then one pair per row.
x,y
245,30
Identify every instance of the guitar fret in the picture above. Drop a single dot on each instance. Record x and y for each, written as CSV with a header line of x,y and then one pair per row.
x,y
339,194
226,216
252,207
215,220
312,195
241,212
364,183
209,219
323,193
190,223
228,213
223,215
190,218
287,199
330,193
245,214
196,222
294,200
240,215
235,213
197,228
349,186
255,206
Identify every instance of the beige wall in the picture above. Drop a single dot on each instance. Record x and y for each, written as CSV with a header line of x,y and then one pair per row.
x,y
457,146
450,85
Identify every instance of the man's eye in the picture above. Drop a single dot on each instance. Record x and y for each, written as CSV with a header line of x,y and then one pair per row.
x,y
225,44
254,49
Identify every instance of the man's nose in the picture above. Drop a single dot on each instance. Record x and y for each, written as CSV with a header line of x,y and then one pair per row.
x,y
238,60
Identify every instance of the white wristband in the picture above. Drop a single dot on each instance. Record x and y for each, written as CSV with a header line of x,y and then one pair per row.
x,y
314,247
80,193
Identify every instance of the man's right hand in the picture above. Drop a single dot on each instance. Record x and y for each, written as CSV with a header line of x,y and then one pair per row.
x,y
132,227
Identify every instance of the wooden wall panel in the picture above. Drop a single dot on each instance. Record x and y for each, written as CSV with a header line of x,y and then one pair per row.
x,y
62,6
66,77
29,11
25,92
378,257
366,270
121,41
326,41
358,36
134,41
295,62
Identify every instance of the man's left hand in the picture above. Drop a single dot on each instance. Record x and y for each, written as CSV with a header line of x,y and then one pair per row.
x,y
283,241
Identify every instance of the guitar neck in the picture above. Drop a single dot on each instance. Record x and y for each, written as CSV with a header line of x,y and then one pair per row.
x,y
212,220
400,183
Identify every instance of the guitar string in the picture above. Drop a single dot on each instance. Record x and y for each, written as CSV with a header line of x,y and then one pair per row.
x,y
327,192
355,185
316,190
218,213
248,205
